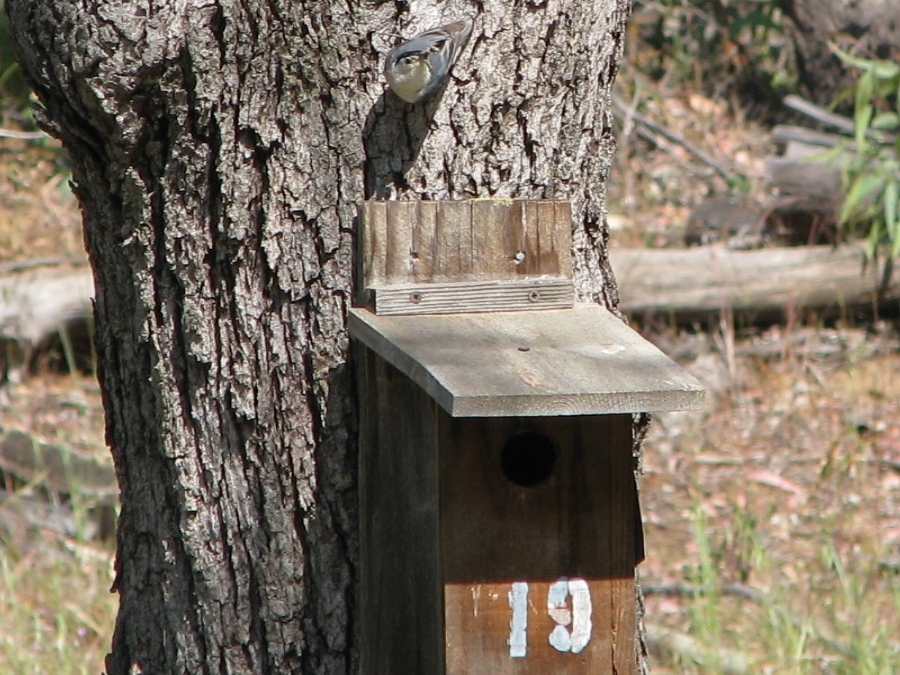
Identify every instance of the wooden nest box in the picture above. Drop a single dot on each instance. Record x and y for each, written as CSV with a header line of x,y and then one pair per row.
x,y
500,519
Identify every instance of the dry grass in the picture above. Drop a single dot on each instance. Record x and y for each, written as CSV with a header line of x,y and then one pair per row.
x,y
39,216
789,485
56,611
56,608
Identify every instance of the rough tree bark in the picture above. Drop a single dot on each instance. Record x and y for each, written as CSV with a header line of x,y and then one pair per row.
x,y
867,28
218,150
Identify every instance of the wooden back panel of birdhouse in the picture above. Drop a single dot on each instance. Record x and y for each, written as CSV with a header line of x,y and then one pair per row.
x,y
419,257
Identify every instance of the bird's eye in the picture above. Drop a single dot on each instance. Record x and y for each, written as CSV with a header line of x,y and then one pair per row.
x,y
410,59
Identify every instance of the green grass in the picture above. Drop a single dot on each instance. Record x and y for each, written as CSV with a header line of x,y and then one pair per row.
x,y
832,621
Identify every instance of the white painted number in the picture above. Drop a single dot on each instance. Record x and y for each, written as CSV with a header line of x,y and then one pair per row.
x,y
579,617
562,638
518,603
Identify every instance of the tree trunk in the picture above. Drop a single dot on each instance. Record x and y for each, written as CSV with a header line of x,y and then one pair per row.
x,y
867,28
218,151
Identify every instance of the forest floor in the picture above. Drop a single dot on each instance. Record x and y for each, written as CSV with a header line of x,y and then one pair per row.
x,y
772,518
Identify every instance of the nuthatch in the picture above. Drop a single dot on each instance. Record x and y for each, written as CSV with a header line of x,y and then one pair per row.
x,y
417,68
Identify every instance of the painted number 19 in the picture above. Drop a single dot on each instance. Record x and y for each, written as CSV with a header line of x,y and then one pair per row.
x,y
573,619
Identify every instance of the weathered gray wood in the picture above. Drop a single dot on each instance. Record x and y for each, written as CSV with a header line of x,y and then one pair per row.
x,y
57,467
474,296
806,167
577,361
803,174
820,114
685,282
790,133
37,302
688,282
480,239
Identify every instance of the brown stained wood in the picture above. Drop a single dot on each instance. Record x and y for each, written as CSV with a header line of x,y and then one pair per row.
x,y
579,522
478,629
474,296
562,240
547,238
577,361
445,533
530,242
470,239
582,522
400,604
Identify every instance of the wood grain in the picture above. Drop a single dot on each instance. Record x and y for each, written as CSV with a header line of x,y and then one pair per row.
x,y
421,242
478,618
473,296
445,532
579,522
765,282
400,600
579,361
582,522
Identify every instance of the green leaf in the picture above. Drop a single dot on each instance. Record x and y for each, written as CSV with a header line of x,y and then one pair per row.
x,y
865,88
829,155
872,241
890,198
886,121
883,70
860,189
861,120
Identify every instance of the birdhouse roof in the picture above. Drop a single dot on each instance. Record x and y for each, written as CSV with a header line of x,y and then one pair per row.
x,y
577,361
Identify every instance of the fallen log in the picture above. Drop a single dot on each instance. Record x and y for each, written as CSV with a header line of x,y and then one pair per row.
x,y
37,301
763,283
